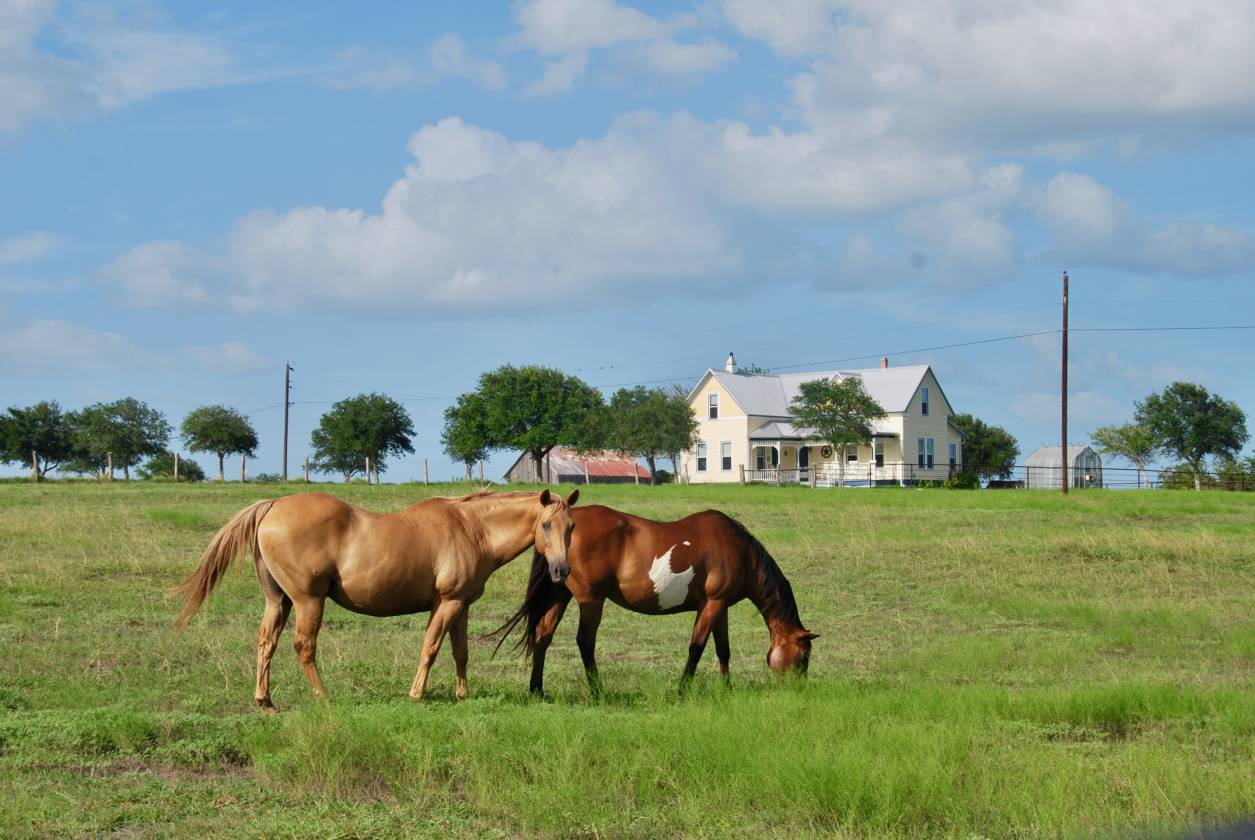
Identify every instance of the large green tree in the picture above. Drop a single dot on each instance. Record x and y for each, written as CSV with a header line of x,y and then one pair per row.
x,y
650,423
1133,442
220,430
161,466
1190,423
128,430
536,408
840,411
43,429
465,433
365,426
988,451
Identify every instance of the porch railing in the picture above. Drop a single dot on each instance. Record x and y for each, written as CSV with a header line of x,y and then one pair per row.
x,y
856,474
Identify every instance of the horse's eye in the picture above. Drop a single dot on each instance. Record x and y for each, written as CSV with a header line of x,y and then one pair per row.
x,y
545,525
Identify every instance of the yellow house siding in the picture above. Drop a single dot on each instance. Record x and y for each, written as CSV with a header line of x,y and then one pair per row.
x,y
732,426
936,426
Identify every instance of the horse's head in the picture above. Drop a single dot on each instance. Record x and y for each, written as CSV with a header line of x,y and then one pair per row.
x,y
554,525
790,651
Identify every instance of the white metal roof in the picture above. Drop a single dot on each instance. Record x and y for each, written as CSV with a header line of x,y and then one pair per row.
x,y
769,395
1048,456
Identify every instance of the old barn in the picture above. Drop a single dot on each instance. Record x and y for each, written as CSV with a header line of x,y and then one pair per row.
x,y
565,466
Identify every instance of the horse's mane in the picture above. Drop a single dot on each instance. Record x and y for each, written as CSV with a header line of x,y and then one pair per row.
x,y
775,594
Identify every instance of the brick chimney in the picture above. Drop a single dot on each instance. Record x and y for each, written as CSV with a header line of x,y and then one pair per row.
x,y
884,361
730,364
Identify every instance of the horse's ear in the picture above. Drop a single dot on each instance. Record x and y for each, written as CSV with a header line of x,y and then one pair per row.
x,y
808,635
573,498
544,496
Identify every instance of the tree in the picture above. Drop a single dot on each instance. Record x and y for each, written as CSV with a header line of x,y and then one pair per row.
x,y
1190,423
42,429
161,466
127,428
537,408
840,411
988,451
650,424
1133,442
365,426
465,434
220,430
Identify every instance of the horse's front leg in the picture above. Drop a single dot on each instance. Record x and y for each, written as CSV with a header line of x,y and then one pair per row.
x,y
722,648
586,639
461,651
442,618
543,637
707,618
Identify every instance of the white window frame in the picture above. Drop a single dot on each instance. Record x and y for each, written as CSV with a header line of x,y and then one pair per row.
x,y
725,461
923,401
931,447
920,454
953,451
701,457
924,449
712,406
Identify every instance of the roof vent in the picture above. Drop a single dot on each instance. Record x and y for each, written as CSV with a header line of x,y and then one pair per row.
x,y
884,361
730,364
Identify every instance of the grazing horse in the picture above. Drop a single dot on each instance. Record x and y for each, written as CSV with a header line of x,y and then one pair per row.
x,y
435,555
705,562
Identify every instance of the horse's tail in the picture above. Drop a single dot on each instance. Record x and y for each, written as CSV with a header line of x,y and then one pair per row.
x,y
236,537
542,593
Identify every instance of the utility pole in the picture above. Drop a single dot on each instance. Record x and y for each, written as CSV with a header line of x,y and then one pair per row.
x,y
287,403
1063,460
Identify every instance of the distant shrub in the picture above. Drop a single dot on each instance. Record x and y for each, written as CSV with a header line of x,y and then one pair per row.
x,y
160,467
266,478
663,477
930,483
963,481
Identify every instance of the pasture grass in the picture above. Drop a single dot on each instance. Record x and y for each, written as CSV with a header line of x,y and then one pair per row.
x,y
992,664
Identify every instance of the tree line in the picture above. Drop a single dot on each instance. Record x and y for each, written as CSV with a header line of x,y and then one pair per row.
x,y
129,434
534,409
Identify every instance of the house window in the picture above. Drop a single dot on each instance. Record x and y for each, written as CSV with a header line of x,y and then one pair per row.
x,y
725,455
878,449
701,456
851,455
759,458
924,453
923,401
712,406
954,456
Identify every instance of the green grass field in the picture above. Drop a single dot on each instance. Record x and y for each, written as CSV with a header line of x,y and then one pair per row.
x,y
992,664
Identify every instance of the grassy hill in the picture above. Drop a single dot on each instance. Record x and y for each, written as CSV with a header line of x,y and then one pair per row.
x,y
997,664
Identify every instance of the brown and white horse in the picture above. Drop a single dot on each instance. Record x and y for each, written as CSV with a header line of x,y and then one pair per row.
x,y
435,555
705,563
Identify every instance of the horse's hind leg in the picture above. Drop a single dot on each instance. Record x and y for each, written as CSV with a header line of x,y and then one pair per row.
x,y
308,623
586,639
545,629
273,620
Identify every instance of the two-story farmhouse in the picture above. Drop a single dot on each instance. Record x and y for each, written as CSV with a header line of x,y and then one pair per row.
x,y
746,432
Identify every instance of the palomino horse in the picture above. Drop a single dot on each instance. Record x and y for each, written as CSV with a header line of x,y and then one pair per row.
x,y
705,562
435,555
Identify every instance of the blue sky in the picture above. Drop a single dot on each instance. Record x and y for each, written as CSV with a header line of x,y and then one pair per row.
x,y
401,198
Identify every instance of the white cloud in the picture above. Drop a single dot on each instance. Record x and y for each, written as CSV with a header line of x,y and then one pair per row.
x,y
1022,74
229,357
163,274
790,27
447,57
105,59
567,32
1091,225
477,222
27,247
50,345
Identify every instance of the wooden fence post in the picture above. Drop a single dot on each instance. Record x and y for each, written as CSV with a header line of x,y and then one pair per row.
x,y
742,473
587,478
109,457
307,469
426,477
243,460
481,472
176,467
34,465
368,469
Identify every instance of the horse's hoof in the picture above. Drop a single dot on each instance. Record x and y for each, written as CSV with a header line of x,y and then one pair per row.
x,y
266,706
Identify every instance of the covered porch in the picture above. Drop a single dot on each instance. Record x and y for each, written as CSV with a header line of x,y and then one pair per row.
x,y
783,454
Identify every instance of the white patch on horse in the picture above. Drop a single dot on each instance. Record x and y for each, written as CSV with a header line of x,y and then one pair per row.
x,y
686,542
671,587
